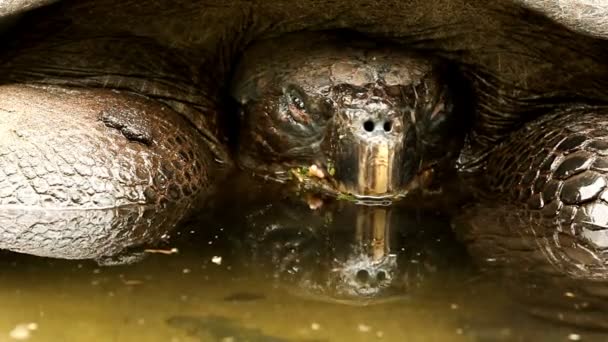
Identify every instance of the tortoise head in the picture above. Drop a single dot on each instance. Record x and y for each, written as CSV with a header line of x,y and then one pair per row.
x,y
371,122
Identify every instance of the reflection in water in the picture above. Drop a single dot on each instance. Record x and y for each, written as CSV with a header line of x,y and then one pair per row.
x,y
350,253
560,275
264,264
337,251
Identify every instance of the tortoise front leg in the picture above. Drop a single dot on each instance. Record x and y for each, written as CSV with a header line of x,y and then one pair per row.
x,y
86,173
549,183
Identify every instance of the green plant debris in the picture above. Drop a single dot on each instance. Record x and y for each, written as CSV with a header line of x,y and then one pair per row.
x,y
331,169
346,197
297,173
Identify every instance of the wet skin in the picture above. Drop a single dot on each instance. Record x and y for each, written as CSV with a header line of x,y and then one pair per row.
x,y
147,101
375,122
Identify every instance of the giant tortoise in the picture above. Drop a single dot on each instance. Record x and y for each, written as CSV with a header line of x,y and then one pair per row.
x,y
119,117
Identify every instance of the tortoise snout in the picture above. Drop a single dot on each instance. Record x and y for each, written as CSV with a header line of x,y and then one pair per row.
x,y
367,146
375,120
378,126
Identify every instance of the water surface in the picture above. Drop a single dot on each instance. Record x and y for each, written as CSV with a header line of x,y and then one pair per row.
x,y
254,267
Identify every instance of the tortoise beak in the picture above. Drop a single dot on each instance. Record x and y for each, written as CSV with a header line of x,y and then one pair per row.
x,y
368,149
375,164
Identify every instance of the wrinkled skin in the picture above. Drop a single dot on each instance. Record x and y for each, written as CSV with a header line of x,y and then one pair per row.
x,y
88,184
534,144
375,121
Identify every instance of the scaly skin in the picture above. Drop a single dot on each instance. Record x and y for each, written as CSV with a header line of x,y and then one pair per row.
x,y
180,53
89,164
306,99
552,178
541,221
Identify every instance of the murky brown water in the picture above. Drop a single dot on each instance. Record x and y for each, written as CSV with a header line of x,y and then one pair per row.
x,y
262,270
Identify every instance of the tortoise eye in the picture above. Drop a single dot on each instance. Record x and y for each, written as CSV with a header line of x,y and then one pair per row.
x,y
298,103
304,109
296,97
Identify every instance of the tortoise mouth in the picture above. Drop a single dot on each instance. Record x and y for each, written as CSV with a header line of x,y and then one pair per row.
x,y
370,171
321,179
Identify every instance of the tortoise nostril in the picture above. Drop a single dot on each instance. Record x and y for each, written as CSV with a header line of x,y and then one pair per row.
x,y
362,276
388,126
368,125
381,276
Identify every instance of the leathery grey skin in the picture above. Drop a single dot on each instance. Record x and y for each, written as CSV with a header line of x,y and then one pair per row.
x,y
117,170
373,120
533,79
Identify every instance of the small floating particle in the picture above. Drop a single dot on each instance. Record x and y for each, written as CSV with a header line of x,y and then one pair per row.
x,y
23,331
314,203
454,306
216,259
574,337
379,334
459,331
569,294
315,171
20,333
364,328
186,271
162,251
315,326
